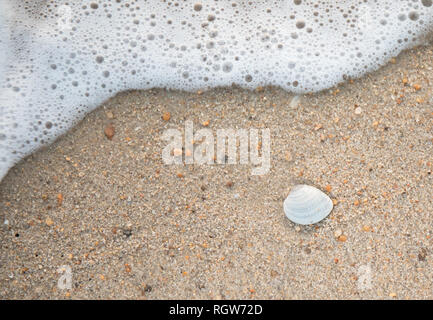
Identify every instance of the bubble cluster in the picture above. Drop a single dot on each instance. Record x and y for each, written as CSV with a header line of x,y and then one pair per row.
x,y
60,59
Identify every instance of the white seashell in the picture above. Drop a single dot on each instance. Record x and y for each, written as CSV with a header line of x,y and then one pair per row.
x,y
307,205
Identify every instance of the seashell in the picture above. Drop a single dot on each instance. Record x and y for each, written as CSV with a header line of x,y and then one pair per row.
x,y
307,205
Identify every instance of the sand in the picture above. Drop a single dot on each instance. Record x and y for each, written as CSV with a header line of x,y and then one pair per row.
x,y
130,227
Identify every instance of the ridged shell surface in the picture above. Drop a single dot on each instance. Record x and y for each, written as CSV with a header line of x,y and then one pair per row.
x,y
307,205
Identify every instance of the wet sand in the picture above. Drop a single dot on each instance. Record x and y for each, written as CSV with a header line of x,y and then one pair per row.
x,y
129,226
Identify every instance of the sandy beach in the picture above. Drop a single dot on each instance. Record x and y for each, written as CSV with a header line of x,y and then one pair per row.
x,y
130,227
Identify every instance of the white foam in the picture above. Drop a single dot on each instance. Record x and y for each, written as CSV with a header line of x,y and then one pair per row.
x,y
61,59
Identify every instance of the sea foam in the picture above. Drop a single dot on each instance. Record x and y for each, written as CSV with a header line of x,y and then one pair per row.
x,y
61,59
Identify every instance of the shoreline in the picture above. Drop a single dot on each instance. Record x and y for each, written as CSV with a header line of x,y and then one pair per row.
x,y
426,43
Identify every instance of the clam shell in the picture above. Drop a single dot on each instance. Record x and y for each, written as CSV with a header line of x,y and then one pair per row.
x,y
307,205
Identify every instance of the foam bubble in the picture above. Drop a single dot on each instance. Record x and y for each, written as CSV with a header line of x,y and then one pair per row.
x,y
61,59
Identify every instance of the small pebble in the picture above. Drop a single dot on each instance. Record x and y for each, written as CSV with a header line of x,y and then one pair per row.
x,y
109,131
318,127
59,199
422,255
358,110
166,116
147,288
342,238
49,221
128,268
366,228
